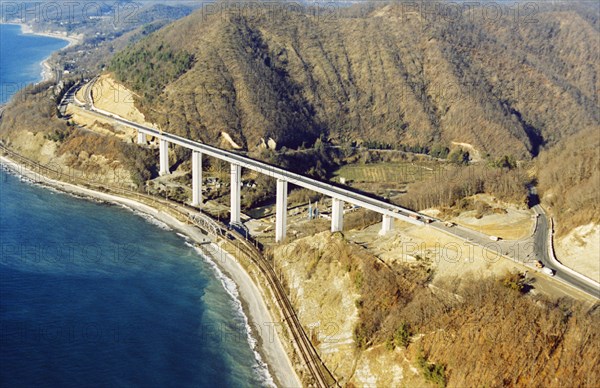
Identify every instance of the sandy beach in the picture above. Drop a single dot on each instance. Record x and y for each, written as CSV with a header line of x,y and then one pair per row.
x,y
269,347
27,29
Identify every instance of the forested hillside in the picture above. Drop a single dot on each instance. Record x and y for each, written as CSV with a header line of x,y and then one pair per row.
x,y
569,180
372,73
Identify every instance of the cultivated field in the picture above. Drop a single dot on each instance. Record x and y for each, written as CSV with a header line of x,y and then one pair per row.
x,y
398,173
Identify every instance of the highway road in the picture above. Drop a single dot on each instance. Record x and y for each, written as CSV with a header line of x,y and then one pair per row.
x,y
328,189
541,237
527,251
538,250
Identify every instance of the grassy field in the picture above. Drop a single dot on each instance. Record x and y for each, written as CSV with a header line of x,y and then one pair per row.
x,y
395,173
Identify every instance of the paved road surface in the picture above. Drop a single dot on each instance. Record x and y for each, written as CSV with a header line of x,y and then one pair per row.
x,y
541,242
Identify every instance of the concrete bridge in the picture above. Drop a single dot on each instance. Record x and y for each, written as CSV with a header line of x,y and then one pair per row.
x,y
339,195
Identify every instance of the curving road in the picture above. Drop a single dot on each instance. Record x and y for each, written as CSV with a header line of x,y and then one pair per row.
x,y
541,241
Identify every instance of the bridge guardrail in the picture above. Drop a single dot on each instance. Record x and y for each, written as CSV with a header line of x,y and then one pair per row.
x,y
333,191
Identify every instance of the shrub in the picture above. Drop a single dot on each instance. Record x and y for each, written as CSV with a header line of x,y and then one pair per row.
x,y
402,335
514,281
434,373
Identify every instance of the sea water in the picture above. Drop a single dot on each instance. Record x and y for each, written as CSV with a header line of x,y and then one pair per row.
x,y
94,295
21,57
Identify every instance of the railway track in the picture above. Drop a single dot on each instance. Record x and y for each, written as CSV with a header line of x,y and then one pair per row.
x,y
322,376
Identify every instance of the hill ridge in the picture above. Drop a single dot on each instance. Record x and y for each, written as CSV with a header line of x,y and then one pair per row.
x,y
368,78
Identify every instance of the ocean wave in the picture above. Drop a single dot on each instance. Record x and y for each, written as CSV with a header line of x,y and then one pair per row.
x,y
25,178
183,236
150,219
127,207
15,170
261,369
10,169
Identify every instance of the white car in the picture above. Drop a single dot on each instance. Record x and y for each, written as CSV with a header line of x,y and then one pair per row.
x,y
548,271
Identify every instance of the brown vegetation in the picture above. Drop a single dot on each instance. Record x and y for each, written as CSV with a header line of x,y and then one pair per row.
x,y
569,180
494,336
450,185
467,331
375,75
360,219
380,76
34,110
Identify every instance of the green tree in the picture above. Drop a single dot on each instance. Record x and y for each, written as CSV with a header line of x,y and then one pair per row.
x,y
459,156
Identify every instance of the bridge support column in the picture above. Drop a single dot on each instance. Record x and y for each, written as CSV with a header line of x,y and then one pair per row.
x,y
337,215
281,210
196,178
387,224
164,157
141,138
236,186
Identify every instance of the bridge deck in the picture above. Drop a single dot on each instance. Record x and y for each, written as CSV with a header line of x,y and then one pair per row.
x,y
330,190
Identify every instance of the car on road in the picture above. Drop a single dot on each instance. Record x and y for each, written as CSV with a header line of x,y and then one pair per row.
x,y
548,271
539,264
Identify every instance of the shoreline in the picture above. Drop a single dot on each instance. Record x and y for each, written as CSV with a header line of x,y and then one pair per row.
x,y
27,30
47,73
262,337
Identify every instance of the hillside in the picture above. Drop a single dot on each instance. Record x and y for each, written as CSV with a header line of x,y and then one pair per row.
x,y
376,74
31,127
569,179
396,320
496,106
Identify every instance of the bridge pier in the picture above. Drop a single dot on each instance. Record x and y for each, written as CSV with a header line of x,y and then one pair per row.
x,y
141,138
281,210
337,215
337,194
164,157
196,178
387,224
236,187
